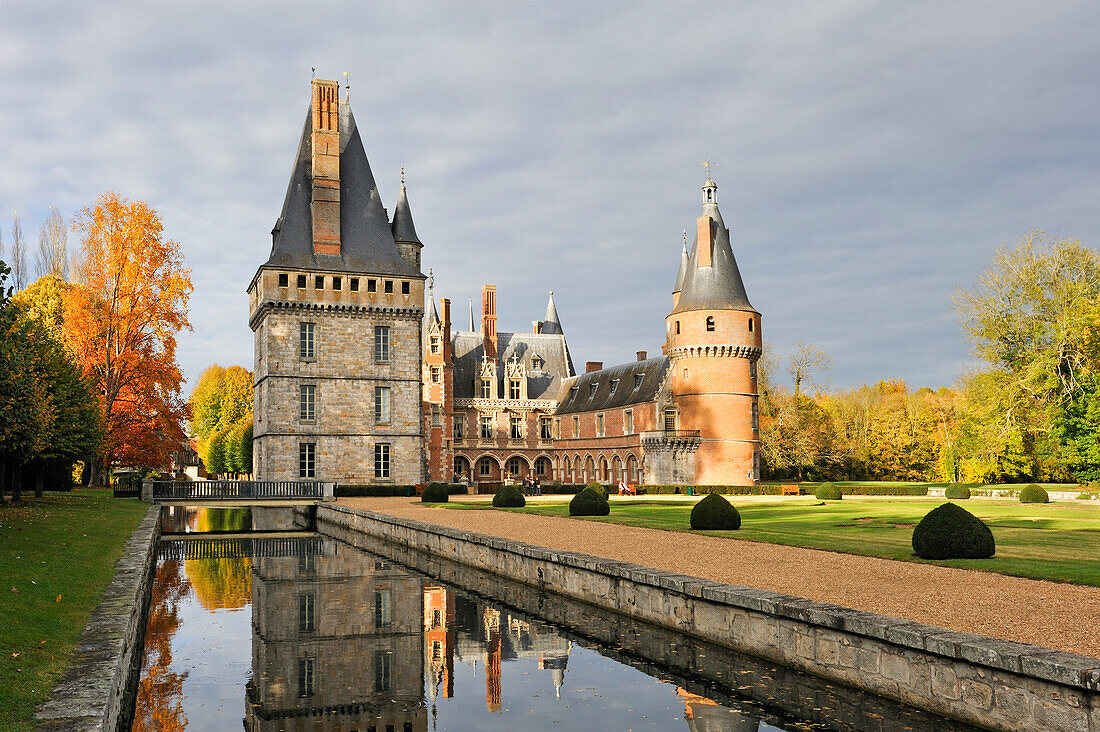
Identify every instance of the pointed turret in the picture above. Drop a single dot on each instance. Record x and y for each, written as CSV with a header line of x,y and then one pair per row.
x,y
711,279
684,257
550,322
433,313
472,329
404,232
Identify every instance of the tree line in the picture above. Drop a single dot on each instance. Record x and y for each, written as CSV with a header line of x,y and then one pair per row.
x,y
1031,411
88,369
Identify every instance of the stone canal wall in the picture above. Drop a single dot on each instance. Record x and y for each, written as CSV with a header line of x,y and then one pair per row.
x,y
984,681
95,693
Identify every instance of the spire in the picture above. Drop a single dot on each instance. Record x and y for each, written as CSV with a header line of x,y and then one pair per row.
x,y
403,229
712,280
472,329
433,314
683,266
550,322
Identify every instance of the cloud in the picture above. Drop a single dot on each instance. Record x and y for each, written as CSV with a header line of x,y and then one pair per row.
x,y
870,159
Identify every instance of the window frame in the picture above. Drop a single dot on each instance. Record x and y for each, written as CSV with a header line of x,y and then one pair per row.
x,y
383,405
307,460
307,340
307,403
515,427
381,344
485,426
382,461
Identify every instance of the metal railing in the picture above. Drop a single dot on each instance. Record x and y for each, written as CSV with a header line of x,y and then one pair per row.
x,y
236,490
239,547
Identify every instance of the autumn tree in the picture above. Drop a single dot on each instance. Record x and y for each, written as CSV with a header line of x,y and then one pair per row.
x,y
44,301
122,323
53,247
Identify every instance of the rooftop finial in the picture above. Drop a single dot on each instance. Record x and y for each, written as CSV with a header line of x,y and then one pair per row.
x,y
431,280
347,84
313,72
685,239
707,164
402,175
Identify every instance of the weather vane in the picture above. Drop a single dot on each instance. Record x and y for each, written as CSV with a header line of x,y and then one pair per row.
x,y
431,279
313,72
402,175
347,80
685,238
708,165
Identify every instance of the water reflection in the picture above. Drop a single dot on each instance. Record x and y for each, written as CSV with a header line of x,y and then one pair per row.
x,y
303,631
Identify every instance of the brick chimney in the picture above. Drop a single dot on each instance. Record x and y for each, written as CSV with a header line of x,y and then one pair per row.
x,y
536,326
642,355
590,366
489,319
705,243
325,170
445,318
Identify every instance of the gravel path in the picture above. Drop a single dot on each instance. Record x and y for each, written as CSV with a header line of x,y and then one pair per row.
x,y
1051,614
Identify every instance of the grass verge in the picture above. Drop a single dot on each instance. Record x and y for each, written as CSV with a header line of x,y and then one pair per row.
x,y
57,554
1054,541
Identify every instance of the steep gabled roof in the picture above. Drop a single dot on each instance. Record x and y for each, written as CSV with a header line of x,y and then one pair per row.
x,y
366,242
618,386
542,383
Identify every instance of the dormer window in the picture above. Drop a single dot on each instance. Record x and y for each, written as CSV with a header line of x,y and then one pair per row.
x,y
573,392
638,380
536,362
592,389
614,385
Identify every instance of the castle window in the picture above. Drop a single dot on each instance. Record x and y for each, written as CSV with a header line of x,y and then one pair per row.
x,y
486,388
305,677
383,607
536,362
485,467
381,405
354,284
515,425
337,283
319,283
284,279
307,603
677,327
437,374
670,420
372,285
599,425
306,341
307,402
752,369
436,344
405,288
638,378
710,324
513,389
458,428
545,427
387,286
576,426
751,325
307,460
301,282
514,466
382,460
614,385
755,416
435,415
592,389
628,422
486,422
381,343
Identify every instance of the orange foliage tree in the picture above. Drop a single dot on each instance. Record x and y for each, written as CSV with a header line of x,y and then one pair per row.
x,y
122,325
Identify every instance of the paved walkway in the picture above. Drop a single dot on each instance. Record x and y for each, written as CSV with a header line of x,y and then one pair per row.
x,y
1051,614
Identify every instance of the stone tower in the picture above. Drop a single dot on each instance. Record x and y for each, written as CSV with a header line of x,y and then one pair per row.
x,y
336,311
713,345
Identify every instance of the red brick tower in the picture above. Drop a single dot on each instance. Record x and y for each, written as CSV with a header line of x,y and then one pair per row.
x,y
438,389
713,344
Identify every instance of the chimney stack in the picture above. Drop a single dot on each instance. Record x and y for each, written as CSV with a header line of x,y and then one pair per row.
x,y
325,169
705,243
641,355
590,366
445,316
489,319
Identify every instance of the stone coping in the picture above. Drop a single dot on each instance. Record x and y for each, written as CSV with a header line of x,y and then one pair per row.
x,y
1068,669
92,694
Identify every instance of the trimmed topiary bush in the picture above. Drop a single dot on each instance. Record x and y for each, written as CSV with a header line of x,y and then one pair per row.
x,y
434,493
951,532
509,497
715,513
828,492
589,503
1034,494
598,487
956,492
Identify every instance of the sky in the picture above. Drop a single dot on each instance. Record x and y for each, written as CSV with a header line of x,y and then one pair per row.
x,y
871,158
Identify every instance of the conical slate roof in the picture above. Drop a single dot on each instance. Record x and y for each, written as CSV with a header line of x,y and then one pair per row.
x,y
403,229
718,287
366,241
683,268
550,322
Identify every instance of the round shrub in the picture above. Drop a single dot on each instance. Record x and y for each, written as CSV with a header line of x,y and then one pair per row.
x,y
434,493
509,497
715,513
1034,494
951,532
828,492
956,492
589,503
598,488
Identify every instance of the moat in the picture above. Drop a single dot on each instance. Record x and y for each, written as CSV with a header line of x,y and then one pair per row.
x,y
257,620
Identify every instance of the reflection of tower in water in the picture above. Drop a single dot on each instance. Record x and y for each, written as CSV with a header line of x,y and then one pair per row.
x,y
439,630
492,659
705,715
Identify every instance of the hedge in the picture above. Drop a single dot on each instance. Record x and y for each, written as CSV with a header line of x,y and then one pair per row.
x,y
1034,494
589,503
956,492
828,492
510,496
951,532
715,513
434,493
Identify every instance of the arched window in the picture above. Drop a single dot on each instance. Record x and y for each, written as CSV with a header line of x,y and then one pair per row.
x,y
461,466
589,470
751,326
617,469
632,468
677,327
710,323
566,471
602,475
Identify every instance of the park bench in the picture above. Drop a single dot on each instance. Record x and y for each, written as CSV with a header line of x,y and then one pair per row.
x,y
790,489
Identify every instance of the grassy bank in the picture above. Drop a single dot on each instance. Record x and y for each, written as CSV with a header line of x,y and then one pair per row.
x,y
1054,541
57,555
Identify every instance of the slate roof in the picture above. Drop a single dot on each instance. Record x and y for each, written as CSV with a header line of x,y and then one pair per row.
x,y
684,257
718,287
469,349
550,322
578,395
403,229
367,243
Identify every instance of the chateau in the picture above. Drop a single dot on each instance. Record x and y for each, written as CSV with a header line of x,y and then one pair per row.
x,y
360,378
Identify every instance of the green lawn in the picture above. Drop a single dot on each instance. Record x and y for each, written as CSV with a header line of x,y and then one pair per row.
x,y
57,555
1053,541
